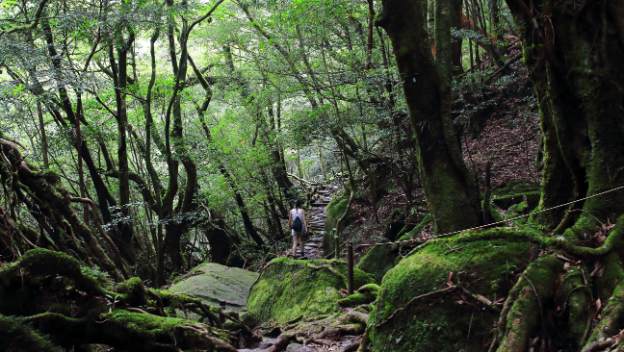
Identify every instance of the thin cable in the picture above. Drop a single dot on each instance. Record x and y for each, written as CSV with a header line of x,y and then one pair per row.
x,y
446,234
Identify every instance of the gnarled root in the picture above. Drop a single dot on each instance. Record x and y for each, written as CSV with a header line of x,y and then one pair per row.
x,y
32,289
523,309
130,331
611,322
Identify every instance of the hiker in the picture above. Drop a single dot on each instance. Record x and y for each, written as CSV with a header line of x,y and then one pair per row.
x,y
298,226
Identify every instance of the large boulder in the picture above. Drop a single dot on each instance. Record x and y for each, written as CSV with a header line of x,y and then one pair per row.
x,y
290,289
217,284
415,310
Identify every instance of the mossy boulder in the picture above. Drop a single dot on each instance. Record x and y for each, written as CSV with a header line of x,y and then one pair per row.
x,y
364,295
446,321
379,259
217,284
290,289
333,212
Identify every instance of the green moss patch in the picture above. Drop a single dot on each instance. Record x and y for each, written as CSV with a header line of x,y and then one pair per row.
x,y
445,322
290,289
334,210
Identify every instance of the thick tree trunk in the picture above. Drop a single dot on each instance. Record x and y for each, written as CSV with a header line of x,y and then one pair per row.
x,y
574,56
452,197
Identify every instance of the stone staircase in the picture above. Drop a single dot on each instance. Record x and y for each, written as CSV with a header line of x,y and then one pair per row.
x,y
313,246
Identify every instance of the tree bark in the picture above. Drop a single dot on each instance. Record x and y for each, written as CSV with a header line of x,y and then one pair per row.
x,y
451,195
574,56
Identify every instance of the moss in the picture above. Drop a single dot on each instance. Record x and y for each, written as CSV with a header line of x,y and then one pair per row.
x,y
133,291
42,261
378,260
577,297
441,323
426,220
145,323
17,336
334,210
531,293
290,289
364,295
20,296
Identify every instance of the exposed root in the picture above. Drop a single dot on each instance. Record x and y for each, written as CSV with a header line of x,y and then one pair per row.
x,y
577,300
611,322
524,309
49,292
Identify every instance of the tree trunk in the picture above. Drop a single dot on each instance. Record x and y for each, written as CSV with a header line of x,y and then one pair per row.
x,y
456,43
574,56
452,197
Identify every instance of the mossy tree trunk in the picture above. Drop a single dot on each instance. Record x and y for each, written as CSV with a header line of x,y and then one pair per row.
x,y
574,54
451,195
50,207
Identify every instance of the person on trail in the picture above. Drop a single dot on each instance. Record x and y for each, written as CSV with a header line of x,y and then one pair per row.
x,y
298,226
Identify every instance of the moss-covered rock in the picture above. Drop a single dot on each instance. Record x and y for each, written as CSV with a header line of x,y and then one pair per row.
x,y
217,284
290,289
379,259
444,321
333,212
364,295
17,336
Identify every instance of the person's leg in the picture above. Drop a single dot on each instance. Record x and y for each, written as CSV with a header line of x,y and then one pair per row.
x,y
301,243
293,235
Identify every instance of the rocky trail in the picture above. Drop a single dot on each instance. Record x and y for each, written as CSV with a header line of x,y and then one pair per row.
x,y
319,335
313,245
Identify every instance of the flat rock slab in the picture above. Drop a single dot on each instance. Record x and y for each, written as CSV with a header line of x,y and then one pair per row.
x,y
217,284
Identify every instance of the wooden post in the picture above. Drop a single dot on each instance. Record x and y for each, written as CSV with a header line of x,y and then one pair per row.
x,y
350,267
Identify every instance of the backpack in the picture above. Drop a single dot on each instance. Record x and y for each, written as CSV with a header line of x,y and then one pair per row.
x,y
297,224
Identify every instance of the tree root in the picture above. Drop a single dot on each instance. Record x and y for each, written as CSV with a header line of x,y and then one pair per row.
x,y
129,330
140,319
50,207
612,319
578,299
556,242
523,310
17,336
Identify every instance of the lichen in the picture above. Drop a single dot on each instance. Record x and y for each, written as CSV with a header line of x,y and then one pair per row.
x,y
217,284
